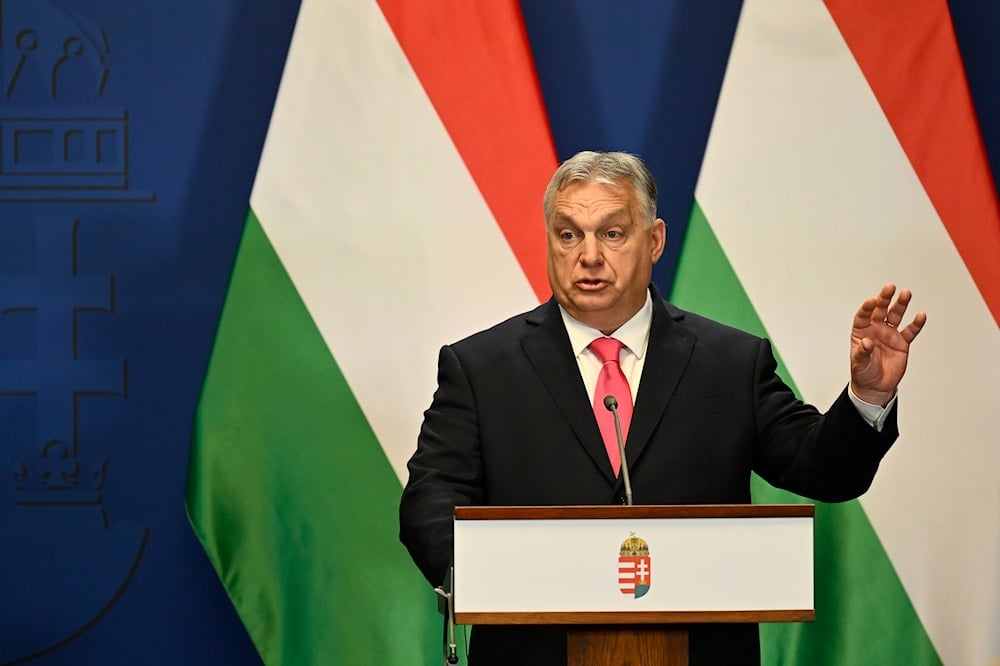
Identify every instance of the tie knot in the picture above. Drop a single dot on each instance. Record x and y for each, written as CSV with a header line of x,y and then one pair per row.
x,y
607,349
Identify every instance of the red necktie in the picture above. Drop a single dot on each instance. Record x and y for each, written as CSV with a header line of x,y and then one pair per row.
x,y
611,381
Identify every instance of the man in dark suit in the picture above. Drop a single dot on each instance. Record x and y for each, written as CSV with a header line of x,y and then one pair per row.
x,y
513,419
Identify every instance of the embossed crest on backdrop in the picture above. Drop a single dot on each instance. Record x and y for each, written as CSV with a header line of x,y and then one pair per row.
x,y
64,148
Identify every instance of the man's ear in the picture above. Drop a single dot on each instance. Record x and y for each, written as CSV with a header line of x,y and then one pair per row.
x,y
658,236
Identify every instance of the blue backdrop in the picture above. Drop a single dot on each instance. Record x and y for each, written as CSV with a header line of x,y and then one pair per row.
x,y
129,135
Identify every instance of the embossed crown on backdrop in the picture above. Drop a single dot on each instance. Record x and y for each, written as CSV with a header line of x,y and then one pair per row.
x,y
56,477
59,138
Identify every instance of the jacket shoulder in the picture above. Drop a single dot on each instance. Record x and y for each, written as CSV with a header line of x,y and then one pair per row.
x,y
708,330
500,337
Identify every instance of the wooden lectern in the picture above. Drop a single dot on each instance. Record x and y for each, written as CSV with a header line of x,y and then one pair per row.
x,y
627,579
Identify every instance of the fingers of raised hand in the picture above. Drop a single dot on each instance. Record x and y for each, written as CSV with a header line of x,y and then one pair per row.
x,y
882,302
894,314
913,329
875,310
880,312
891,314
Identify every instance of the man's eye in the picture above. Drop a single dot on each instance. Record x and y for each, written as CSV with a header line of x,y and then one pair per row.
x,y
614,235
567,236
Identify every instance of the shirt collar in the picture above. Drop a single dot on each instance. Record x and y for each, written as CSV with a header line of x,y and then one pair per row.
x,y
634,333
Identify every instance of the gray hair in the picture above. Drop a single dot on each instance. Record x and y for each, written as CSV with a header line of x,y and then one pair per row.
x,y
615,169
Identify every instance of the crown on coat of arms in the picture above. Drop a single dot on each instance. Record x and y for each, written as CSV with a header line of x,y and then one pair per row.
x,y
56,477
633,546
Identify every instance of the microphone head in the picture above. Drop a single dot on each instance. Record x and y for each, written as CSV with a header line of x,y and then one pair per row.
x,y
610,402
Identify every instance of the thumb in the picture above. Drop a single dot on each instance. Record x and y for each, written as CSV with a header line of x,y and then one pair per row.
x,y
862,350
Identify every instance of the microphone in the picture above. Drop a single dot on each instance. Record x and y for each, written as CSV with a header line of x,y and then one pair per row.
x,y
446,606
611,404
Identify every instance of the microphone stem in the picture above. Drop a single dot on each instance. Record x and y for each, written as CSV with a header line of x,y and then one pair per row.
x,y
621,455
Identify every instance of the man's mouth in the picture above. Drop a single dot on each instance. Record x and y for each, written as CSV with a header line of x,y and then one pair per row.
x,y
591,284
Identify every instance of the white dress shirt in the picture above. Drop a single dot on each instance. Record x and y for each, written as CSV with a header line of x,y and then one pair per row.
x,y
634,336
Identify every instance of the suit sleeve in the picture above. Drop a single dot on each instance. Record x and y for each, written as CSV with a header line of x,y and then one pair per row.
x,y
829,457
445,471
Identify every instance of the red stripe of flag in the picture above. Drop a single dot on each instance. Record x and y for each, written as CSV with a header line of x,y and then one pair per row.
x,y
474,61
910,57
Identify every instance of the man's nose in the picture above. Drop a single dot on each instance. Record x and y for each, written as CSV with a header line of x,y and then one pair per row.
x,y
591,251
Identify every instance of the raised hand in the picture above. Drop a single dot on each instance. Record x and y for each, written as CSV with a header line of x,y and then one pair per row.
x,y
880,344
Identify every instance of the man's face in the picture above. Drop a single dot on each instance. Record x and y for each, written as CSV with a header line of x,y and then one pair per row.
x,y
600,258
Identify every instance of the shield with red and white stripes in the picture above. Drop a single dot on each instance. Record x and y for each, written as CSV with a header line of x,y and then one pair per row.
x,y
634,575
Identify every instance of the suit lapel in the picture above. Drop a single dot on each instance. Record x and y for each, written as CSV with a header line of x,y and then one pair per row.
x,y
670,346
667,356
549,351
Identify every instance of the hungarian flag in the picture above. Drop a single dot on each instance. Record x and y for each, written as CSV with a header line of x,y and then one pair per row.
x,y
845,153
397,207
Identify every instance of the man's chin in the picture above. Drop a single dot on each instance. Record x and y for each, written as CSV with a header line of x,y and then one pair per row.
x,y
590,307
592,301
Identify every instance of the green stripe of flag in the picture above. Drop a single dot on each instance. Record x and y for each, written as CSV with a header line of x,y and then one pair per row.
x,y
863,614
290,492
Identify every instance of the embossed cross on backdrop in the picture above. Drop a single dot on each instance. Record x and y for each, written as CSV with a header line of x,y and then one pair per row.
x,y
54,470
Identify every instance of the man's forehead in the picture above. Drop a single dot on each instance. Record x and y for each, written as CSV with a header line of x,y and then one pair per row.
x,y
590,196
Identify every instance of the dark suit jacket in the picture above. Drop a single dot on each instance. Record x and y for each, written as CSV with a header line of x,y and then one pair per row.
x,y
511,424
